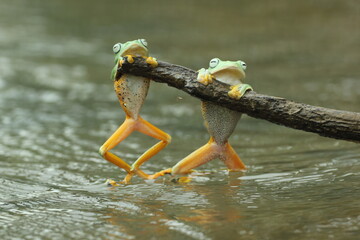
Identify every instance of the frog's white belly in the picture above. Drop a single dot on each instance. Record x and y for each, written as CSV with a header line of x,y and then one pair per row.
x,y
219,121
132,91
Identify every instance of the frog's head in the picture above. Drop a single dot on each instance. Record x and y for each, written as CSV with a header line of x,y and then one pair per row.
x,y
227,71
136,48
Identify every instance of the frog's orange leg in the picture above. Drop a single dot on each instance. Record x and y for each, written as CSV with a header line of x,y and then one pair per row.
x,y
160,174
119,135
232,159
199,157
204,154
147,128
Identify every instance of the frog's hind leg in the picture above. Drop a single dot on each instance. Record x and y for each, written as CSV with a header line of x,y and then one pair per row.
x,y
197,158
147,128
205,154
232,159
119,135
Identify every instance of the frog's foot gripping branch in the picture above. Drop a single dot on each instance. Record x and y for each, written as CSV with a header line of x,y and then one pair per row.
x,y
123,132
149,60
204,154
237,91
204,77
129,58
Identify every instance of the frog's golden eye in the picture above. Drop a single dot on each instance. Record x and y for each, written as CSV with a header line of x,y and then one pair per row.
x,y
214,62
117,47
243,65
144,42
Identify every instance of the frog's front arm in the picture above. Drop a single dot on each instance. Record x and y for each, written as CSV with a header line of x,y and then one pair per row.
x,y
237,91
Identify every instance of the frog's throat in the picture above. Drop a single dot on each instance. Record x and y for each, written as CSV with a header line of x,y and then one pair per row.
x,y
230,76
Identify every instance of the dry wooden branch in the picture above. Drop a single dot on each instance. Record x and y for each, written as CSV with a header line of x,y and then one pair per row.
x,y
323,121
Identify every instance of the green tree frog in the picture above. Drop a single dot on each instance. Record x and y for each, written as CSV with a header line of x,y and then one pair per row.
x,y
131,92
219,121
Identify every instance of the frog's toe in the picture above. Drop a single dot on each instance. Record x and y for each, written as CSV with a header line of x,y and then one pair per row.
x,y
152,61
182,180
111,183
237,91
130,58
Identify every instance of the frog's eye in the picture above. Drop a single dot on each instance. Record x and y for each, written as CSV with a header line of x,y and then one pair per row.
x,y
243,65
214,62
117,47
144,42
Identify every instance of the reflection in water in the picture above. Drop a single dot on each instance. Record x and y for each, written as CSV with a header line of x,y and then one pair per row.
x,y
57,107
191,212
217,197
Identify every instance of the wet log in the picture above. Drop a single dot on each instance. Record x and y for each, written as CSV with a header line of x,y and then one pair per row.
x,y
326,122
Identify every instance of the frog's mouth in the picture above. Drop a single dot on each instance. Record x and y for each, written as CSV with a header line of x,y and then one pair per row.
x,y
136,51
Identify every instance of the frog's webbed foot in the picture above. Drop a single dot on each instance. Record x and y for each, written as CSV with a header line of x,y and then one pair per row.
x,y
112,183
151,61
184,179
204,76
237,91
160,174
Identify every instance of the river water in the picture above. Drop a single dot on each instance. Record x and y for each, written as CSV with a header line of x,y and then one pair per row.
x,y
57,107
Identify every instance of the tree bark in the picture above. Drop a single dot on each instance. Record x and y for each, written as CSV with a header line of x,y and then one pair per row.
x,y
323,121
